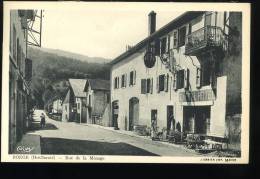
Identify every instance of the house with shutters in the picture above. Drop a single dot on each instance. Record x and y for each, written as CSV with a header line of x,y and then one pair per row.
x,y
97,102
186,76
72,105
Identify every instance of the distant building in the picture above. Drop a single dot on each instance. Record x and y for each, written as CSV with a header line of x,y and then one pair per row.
x,y
186,76
97,101
20,73
57,106
72,105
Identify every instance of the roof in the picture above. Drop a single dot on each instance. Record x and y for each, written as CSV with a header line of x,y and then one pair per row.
x,y
67,98
78,86
180,20
98,84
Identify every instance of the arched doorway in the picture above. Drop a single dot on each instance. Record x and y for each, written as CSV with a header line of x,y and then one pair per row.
x,y
133,112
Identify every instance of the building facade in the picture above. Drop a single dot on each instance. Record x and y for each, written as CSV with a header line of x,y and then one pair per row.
x,y
72,109
20,72
186,75
97,102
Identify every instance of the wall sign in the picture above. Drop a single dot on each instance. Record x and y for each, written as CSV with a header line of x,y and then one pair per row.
x,y
192,96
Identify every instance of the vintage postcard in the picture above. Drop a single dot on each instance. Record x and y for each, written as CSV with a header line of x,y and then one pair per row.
x,y
125,82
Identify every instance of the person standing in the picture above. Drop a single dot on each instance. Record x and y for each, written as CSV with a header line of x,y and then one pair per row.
x,y
154,127
42,120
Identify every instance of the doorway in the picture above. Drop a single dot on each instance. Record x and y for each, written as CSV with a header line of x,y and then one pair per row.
x,y
115,111
170,119
196,119
154,119
133,112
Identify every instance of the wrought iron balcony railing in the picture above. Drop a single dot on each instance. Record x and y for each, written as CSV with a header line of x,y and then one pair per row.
x,y
204,38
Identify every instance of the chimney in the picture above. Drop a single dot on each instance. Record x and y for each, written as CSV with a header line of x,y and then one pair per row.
x,y
151,22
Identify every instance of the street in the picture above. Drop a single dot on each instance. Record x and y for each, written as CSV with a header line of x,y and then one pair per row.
x,y
75,139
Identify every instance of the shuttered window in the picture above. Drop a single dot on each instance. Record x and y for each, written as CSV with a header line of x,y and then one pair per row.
x,y
163,45
123,80
116,82
182,35
132,78
147,86
143,86
175,39
180,79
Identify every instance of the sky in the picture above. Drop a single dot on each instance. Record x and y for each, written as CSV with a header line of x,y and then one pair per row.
x,y
99,32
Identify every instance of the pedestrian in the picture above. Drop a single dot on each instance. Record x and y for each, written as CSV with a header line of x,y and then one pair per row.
x,y
42,120
154,127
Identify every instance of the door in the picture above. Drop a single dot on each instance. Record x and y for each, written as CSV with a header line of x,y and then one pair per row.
x,y
19,118
115,111
84,114
202,119
154,120
170,119
133,112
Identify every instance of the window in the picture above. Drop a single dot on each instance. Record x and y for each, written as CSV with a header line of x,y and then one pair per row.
x,y
143,86
123,81
147,86
66,108
132,78
180,79
163,45
182,35
116,82
175,38
162,83
78,105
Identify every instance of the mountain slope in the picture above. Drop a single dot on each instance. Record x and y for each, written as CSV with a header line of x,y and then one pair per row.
x,y
52,68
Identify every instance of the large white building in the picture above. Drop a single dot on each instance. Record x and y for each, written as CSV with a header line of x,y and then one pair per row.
x,y
189,69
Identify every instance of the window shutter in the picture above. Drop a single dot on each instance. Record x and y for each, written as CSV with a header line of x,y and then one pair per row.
x,y
151,85
157,84
166,81
171,41
118,82
186,78
125,80
134,78
198,78
143,86
175,38
175,81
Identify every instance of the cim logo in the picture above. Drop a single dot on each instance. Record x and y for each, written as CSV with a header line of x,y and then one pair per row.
x,y
24,149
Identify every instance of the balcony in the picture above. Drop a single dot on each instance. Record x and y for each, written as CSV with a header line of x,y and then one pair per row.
x,y
204,39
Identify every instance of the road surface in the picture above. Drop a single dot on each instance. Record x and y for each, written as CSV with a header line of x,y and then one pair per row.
x,y
73,138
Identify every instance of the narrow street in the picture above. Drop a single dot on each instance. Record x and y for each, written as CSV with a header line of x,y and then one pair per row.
x,y
72,138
